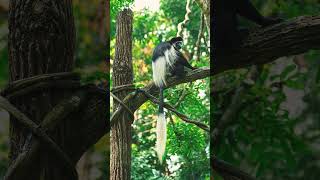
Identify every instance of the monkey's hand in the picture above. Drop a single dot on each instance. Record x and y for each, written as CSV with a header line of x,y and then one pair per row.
x,y
268,21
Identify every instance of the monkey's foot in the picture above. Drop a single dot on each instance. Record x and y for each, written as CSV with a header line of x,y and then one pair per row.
x,y
271,21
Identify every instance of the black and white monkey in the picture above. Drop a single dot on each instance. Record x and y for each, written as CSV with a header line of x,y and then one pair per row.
x,y
166,58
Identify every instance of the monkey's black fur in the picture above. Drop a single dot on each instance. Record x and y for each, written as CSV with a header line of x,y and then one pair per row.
x,y
179,63
227,35
171,50
166,58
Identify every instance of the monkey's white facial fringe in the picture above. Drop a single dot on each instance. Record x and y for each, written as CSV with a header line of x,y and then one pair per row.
x,y
171,56
159,66
161,136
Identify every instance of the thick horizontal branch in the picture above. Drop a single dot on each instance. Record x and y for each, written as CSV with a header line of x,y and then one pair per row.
x,y
137,99
263,45
40,82
191,76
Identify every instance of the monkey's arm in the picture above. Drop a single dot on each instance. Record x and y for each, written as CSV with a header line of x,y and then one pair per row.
x,y
183,61
246,9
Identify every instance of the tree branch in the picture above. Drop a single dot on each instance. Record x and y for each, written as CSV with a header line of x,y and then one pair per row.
x,y
34,128
179,114
136,100
18,168
264,45
229,171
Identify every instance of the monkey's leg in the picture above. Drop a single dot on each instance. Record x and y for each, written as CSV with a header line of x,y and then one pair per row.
x,y
243,33
246,9
183,61
178,70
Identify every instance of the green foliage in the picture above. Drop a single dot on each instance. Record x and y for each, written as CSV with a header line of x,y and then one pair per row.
x,y
264,138
187,145
89,40
4,68
115,7
176,10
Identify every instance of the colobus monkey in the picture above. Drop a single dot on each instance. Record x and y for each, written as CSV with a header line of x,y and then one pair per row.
x,y
227,35
166,58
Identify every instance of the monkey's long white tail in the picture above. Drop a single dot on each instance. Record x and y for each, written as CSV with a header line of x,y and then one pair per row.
x,y
161,136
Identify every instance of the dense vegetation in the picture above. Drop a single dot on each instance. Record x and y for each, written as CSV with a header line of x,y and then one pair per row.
x,y
273,132
187,153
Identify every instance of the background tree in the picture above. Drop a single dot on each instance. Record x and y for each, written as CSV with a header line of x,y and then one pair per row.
x,y
44,54
122,76
260,124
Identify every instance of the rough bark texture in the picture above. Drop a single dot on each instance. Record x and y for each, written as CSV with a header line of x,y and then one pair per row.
x,y
120,164
294,36
41,41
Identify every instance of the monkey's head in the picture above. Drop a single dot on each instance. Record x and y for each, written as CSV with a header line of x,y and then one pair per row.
x,y
176,42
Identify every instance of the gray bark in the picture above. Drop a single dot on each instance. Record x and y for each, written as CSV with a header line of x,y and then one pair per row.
x,y
120,161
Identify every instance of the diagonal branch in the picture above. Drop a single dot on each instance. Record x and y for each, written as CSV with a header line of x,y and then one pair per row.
x,y
18,167
179,114
229,171
23,119
264,45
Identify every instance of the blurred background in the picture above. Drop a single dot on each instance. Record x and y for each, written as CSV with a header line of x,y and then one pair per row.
x,y
90,55
274,132
187,155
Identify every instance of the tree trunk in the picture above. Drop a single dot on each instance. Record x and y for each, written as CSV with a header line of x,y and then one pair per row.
x,y
41,41
120,164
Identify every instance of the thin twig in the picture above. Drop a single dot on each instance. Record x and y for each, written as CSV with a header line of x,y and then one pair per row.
x,y
179,114
181,98
123,87
122,104
226,169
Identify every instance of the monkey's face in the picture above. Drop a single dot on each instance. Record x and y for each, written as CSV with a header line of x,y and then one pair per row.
x,y
178,44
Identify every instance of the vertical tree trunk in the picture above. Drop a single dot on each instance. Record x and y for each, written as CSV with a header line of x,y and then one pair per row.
x,y
122,74
41,40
